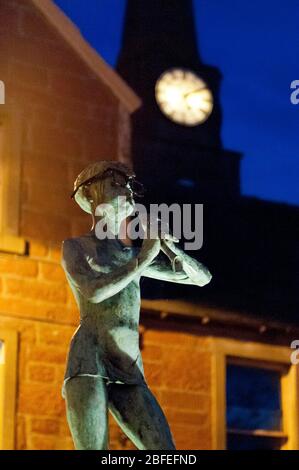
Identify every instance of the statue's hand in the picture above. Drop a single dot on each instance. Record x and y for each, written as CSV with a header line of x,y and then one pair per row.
x,y
149,250
197,272
157,228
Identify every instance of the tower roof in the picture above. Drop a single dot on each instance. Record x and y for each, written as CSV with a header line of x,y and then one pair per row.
x,y
161,28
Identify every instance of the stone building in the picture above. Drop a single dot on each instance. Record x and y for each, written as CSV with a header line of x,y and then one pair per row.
x,y
64,107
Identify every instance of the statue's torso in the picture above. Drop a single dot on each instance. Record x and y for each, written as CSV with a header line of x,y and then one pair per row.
x,y
107,340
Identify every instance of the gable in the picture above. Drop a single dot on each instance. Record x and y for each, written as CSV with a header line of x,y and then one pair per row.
x,y
71,34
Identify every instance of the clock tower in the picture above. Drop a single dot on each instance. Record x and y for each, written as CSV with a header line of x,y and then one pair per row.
x,y
188,164
177,149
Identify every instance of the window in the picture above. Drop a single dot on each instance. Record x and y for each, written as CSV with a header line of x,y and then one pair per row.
x,y
255,401
254,415
8,362
10,173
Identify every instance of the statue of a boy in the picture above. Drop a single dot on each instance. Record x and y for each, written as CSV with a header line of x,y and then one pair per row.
x,y
104,368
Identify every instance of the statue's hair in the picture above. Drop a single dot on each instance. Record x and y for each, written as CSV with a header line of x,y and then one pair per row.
x,y
90,171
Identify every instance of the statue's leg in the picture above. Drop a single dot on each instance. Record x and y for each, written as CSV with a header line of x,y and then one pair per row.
x,y
140,416
87,412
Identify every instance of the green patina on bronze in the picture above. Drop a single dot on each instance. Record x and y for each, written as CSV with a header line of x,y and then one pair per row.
x,y
104,367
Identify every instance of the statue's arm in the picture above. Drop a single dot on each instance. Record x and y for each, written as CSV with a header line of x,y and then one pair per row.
x,y
161,269
95,286
191,271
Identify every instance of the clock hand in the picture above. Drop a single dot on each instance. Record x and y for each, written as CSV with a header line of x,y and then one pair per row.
x,y
193,91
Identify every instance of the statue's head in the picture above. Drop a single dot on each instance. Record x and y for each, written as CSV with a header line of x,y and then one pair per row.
x,y
102,183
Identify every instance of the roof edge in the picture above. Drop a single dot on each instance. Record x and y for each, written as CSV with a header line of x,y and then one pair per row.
x,y
72,35
206,314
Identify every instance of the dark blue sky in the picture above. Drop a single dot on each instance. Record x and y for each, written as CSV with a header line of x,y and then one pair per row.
x,y
255,44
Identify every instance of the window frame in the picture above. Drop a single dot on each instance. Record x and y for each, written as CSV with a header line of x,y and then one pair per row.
x,y
8,397
226,351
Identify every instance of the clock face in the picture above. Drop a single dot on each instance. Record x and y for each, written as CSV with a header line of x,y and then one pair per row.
x,y
184,97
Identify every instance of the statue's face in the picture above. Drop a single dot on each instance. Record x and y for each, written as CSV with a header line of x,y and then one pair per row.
x,y
109,190
116,187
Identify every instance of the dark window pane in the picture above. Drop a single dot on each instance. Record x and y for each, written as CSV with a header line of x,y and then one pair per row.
x,y
239,442
253,398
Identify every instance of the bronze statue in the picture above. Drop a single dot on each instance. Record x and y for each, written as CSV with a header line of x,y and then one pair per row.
x,y
104,368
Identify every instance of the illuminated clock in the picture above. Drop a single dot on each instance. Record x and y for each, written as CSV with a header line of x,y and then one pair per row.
x,y
184,97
